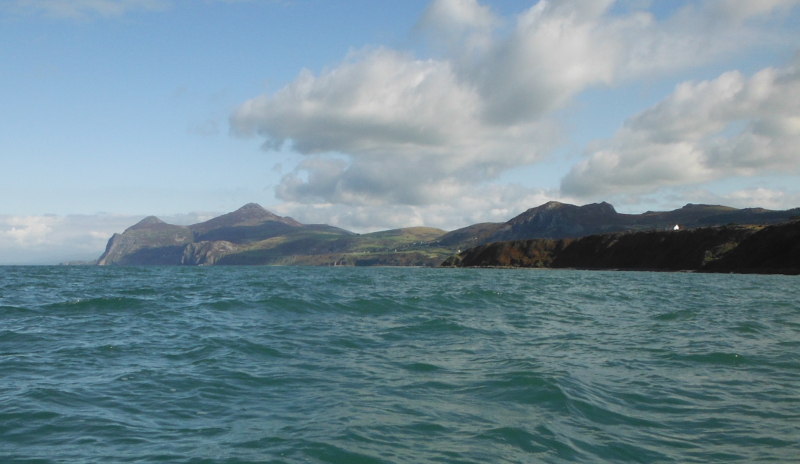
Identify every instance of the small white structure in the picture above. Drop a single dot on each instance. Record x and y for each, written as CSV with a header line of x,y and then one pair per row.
x,y
677,227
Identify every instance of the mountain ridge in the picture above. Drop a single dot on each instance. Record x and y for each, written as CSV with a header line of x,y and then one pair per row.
x,y
255,236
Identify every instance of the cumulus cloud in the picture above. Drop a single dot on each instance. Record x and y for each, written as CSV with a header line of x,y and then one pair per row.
x,y
490,203
386,127
49,239
30,230
728,126
389,114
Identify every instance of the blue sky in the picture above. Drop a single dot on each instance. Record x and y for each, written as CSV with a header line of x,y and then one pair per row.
x,y
372,115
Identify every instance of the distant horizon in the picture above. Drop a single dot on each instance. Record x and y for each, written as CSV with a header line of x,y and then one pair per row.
x,y
185,220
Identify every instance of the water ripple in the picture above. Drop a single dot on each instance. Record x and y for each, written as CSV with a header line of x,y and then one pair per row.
x,y
287,365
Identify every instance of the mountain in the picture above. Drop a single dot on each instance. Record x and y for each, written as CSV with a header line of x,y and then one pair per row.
x,y
252,235
249,223
470,235
149,241
734,248
556,220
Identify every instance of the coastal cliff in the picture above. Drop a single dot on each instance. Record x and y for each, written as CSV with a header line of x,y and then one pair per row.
x,y
739,249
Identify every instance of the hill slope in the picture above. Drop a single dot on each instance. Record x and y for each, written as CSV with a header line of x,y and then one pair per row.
x,y
252,235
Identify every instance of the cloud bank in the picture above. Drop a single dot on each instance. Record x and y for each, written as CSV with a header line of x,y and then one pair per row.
x,y
384,127
703,131
51,239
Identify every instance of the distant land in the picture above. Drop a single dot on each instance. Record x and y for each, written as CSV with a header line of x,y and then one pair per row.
x,y
252,235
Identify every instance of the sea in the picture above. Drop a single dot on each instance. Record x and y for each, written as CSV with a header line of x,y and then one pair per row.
x,y
213,365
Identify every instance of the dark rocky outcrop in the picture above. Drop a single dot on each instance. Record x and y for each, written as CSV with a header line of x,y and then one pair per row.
x,y
656,250
207,252
149,241
537,253
741,249
772,250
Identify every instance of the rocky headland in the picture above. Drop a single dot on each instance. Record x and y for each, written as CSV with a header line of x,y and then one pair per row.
x,y
773,249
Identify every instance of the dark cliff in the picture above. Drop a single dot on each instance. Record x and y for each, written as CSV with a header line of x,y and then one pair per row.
x,y
741,249
774,249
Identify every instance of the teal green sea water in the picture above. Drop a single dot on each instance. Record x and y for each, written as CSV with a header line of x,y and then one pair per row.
x,y
386,365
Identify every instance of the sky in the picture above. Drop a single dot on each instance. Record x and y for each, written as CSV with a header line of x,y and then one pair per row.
x,y
372,115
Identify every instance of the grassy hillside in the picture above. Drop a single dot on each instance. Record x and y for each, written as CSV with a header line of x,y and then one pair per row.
x,y
399,247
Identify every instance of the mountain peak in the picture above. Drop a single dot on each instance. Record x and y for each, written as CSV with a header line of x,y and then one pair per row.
x,y
252,207
556,207
150,223
549,206
552,205
251,214
150,220
557,220
602,208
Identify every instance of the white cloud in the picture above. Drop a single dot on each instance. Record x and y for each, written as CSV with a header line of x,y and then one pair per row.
x,y
460,27
48,239
728,126
384,127
488,203
27,230
390,115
